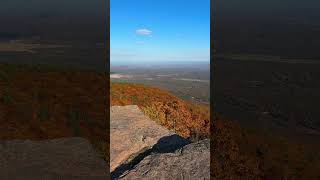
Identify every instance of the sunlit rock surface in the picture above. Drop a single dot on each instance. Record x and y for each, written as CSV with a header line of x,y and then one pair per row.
x,y
142,149
131,133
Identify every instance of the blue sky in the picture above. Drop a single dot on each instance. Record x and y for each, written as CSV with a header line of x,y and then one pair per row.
x,y
147,31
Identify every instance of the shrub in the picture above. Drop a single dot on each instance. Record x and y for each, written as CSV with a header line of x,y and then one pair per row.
x,y
154,114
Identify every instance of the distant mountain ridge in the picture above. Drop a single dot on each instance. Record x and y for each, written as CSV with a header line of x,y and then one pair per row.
x,y
165,64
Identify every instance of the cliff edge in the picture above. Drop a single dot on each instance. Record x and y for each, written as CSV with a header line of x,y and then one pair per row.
x,y
143,149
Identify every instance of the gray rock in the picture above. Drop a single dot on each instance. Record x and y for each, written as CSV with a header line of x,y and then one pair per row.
x,y
142,149
65,158
190,162
131,134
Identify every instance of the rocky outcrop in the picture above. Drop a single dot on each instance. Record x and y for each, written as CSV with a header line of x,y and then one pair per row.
x,y
65,158
189,162
142,149
132,134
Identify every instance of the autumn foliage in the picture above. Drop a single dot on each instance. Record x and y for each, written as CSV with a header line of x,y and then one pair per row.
x,y
38,103
241,153
44,103
185,118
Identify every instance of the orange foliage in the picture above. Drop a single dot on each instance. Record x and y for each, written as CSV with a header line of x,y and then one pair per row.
x,y
44,104
186,118
239,153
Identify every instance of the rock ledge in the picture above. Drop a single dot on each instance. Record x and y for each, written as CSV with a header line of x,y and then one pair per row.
x,y
142,149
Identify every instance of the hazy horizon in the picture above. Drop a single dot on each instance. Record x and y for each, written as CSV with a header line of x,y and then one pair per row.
x,y
168,61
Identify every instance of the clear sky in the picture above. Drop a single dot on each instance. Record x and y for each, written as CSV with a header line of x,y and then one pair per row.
x,y
147,31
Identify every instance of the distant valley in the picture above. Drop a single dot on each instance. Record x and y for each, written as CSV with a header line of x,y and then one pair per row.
x,y
187,83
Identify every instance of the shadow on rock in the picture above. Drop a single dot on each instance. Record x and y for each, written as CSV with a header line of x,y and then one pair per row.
x,y
167,144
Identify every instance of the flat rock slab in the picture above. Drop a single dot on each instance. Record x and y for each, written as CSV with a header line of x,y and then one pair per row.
x,y
65,158
187,163
131,134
